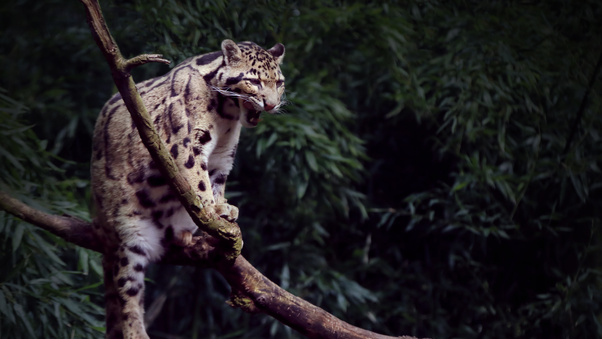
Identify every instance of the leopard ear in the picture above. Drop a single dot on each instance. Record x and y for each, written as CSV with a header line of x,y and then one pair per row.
x,y
231,52
277,52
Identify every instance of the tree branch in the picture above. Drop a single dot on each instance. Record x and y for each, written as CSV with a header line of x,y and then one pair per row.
x,y
269,298
69,228
144,59
252,291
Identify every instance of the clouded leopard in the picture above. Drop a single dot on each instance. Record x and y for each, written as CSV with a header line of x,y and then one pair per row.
x,y
198,109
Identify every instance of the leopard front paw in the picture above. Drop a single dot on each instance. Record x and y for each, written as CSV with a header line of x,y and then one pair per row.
x,y
226,211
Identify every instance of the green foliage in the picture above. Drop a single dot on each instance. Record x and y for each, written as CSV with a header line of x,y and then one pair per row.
x,y
41,295
520,210
422,178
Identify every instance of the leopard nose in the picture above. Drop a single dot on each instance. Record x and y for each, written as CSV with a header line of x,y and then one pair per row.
x,y
267,106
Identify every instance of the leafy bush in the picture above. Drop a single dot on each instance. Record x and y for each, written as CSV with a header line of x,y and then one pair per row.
x,y
41,293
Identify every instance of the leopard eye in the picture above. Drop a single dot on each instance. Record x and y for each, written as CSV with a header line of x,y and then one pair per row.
x,y
255,82
279,83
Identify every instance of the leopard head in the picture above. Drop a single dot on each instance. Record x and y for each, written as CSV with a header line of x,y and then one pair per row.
x,y
252,74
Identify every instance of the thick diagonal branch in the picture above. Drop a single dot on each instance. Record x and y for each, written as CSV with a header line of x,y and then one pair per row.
x,y
269,298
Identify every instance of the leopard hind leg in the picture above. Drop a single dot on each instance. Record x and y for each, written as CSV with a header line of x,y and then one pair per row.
x,y
113,302
129,281
124,293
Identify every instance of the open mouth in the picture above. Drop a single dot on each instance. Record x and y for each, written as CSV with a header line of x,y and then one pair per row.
x,y
253,117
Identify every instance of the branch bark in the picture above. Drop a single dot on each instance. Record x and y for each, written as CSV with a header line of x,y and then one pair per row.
x,y
71,229
251,290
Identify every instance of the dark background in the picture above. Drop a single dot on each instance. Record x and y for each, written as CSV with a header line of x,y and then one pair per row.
x,y
436,171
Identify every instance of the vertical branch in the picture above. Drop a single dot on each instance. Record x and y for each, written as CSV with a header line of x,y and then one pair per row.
x,y
102,36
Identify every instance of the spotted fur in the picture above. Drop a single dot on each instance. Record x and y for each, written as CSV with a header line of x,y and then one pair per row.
x,y
198,109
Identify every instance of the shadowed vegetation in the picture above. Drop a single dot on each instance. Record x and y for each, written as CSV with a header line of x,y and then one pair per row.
x,y
436,171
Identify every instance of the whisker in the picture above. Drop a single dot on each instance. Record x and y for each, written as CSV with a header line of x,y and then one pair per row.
x,y
229,93
248,98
